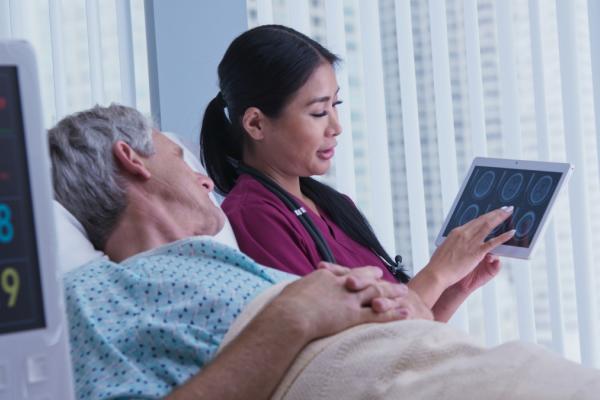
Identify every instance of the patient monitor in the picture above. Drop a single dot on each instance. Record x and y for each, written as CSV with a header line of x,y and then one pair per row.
x,y
34,352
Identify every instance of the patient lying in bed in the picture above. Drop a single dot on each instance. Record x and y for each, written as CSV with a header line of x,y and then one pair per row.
x,y
148,322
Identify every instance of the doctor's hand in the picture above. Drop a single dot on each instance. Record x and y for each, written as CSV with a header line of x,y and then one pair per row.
x,y
487,269
449,301
460,257
465,247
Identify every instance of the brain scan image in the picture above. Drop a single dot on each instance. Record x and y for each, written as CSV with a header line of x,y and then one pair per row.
x,y
512,187
489,188
484,184
524,224
540,190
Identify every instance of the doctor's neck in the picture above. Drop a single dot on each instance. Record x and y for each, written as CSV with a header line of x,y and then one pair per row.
x,y
290,183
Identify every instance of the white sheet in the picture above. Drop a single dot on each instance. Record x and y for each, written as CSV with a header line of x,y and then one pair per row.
x,y
424,360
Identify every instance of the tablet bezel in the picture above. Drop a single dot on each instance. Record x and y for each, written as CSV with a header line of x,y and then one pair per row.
x,y
545,166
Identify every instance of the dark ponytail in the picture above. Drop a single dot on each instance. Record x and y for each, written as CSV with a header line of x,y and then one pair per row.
x,y
349,219
220,142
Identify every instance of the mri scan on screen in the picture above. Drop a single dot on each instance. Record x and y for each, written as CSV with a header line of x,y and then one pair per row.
x,y
529,186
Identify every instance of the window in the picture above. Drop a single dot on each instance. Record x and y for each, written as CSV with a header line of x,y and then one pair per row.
x,y
72,77
468,112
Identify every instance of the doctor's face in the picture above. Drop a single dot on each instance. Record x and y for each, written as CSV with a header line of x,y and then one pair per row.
x,y
184,191
301,140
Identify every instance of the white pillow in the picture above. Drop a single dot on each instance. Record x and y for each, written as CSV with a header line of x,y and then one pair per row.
x,y
74,247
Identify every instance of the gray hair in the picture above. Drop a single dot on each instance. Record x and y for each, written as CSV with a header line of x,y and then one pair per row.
x,y
85,175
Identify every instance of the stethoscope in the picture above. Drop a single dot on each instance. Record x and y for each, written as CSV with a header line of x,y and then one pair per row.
x,y
303,216
293,206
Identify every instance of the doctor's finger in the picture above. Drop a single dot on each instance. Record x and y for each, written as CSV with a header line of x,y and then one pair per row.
x,y
498,240
490,221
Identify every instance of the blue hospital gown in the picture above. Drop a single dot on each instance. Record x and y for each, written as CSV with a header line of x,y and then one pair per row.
x,y
148,324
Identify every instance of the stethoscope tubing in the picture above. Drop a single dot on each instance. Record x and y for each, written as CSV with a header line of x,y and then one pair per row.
x,y
298,210
287,199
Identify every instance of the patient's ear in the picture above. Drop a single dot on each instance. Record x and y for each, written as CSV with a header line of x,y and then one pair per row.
x,y
129,160
254,122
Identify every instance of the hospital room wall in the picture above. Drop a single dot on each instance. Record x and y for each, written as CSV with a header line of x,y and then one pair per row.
x,y
183,78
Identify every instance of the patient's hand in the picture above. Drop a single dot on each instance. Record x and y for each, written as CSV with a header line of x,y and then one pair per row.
x,y
390,296
322,304
410,306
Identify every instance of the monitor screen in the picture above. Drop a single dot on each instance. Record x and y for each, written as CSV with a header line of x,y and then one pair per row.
x,y
489,188
21,301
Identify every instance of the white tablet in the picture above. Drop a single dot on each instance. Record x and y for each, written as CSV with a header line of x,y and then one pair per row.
x,y
34,347
530,186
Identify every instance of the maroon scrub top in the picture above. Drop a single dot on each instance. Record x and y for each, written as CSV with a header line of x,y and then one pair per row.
x,y
271,234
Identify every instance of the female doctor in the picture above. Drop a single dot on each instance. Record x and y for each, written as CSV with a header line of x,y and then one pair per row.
x,y
271,127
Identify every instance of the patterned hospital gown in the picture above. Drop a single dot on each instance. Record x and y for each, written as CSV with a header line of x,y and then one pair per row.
x,y
146,325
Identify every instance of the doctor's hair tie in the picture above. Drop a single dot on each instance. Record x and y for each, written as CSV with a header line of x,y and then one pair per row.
x,y
222,104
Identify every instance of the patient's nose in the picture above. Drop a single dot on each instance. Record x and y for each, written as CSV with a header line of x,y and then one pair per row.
x,y
206,182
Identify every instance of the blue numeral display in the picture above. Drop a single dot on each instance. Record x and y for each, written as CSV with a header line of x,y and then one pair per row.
x,y
7,231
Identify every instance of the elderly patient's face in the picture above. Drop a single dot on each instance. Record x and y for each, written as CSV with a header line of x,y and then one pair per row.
x,y
184,191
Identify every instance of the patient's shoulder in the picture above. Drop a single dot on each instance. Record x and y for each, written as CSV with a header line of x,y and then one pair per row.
x,y
93,268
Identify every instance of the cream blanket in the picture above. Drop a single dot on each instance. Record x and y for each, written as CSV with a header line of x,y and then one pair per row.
x,y
423,360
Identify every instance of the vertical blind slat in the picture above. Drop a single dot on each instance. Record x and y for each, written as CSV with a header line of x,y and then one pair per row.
x,y
376,125
298,15
475,81
5,26
264,12
58,64
443,103
594,27
95,51
412,142
126,61
479,144
541,117
512,143
336,42
444,117
580,225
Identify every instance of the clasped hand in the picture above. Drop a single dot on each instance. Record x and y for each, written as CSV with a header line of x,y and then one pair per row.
x,y
335,298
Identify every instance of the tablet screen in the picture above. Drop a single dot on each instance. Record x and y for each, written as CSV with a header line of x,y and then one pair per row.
x,y
490,188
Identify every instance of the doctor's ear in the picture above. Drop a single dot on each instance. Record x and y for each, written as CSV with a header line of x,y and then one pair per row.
x,y
129,160
254,122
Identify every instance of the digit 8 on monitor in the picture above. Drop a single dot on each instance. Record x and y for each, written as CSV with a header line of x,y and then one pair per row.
x,y
7,231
